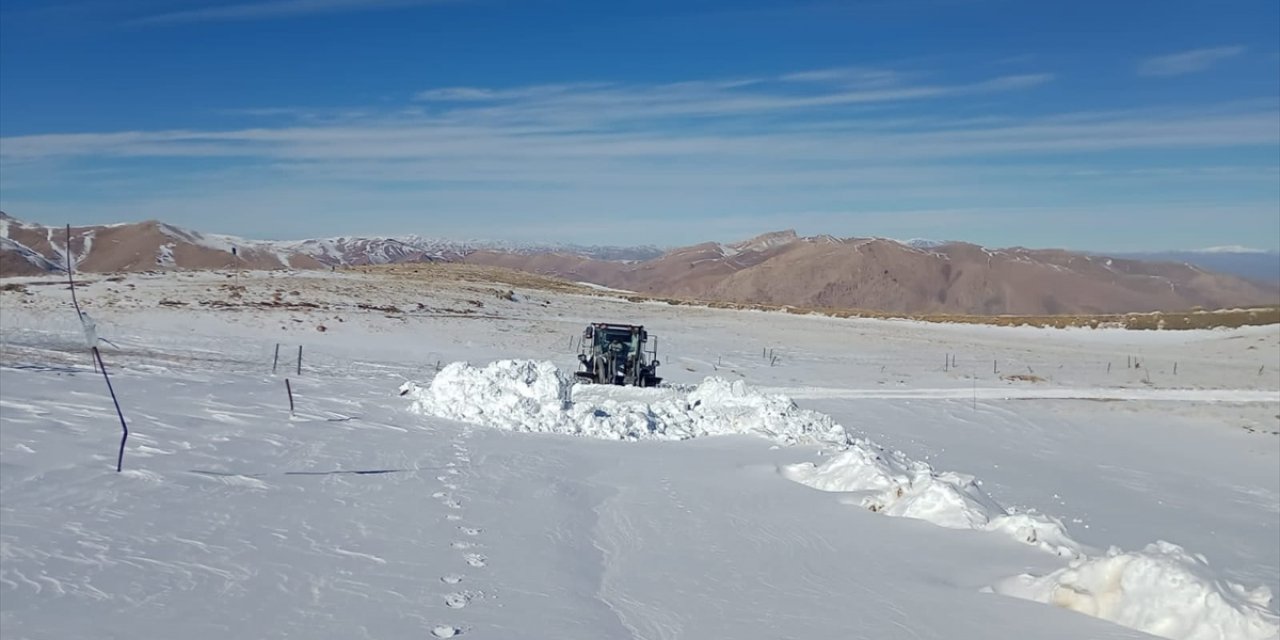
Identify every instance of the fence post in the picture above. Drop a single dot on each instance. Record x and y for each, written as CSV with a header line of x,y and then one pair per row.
x,y
299,359
275,360
123,427
289,389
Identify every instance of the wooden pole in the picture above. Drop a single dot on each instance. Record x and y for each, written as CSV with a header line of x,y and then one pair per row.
x,y
289,388
299,359
276,359
71,282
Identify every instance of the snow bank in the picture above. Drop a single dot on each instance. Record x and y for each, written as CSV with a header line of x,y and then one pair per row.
x,y
1162,590
893,484
510,394
537,397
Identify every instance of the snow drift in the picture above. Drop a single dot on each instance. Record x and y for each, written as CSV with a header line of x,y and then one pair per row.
x,y
521,395
1162,590
893,484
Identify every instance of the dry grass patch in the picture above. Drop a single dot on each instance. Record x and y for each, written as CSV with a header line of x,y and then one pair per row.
x,y
1167,320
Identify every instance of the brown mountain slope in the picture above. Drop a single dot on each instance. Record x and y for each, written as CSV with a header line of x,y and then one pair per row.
x,y
140,246
777,268
885,275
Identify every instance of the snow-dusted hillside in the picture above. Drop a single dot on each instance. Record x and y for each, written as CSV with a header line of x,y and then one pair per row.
x,y
157,245
802,477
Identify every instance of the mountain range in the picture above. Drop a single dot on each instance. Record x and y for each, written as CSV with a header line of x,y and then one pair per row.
x,y
775,268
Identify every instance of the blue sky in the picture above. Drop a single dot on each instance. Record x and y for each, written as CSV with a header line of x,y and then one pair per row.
x,y
1136,125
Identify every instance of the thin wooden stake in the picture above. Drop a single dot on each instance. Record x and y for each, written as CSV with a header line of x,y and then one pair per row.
x,y
289,389
71,282
123,426
299,359
276,359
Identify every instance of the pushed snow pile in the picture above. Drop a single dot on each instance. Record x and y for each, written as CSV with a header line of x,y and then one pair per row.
x,y
531,396
510,394
1162,590
893,484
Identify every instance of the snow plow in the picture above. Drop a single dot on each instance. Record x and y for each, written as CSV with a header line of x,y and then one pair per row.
x,y
617,354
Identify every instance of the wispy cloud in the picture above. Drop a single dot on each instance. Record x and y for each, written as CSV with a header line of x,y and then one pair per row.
x,y
701,98
711,148
1176,64
270,9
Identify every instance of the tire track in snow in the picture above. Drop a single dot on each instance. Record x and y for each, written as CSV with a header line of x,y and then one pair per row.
x,y
1029,393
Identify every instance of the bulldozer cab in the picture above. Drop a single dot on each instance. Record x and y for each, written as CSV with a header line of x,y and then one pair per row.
x,y
617,354
617,338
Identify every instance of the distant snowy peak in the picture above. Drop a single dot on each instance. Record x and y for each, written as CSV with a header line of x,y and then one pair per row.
x,y
925,243
766,241
1231,248
597,252
413,248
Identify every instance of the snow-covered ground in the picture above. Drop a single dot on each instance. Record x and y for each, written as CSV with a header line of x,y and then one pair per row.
x,y
1039,478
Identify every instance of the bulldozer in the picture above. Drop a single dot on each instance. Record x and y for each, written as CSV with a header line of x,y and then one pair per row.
x,y
618,354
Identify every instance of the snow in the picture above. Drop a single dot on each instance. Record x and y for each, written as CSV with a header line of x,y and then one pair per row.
x,y
27,254
164,255
890,483
600,287
544,509
1163,590
538,397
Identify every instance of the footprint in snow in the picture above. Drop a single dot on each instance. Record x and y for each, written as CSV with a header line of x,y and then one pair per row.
x,y
450,486
452,472
463,545
439,494
475,559
446,631
453,504
442,478
452,578
453,516
471,531
457,600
